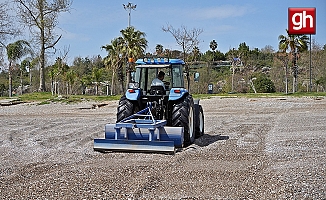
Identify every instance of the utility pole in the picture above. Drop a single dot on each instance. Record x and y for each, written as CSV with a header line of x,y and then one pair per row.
x,y
129,7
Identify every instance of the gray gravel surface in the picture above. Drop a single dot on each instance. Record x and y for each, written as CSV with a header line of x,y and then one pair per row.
x,y
262,148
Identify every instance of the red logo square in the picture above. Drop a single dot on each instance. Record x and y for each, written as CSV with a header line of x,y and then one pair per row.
x,y
302,21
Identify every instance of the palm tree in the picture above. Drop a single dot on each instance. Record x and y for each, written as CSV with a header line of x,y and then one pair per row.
x,y
23,66
32,65
134,47
59,68
97,76
213,45
159,49
16,51
51,74
195,53
135,42
114,59
296,44
70,77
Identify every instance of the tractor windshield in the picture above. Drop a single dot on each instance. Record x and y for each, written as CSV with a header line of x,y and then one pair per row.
x,y
146,74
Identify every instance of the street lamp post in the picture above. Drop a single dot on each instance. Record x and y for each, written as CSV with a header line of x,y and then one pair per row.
x,y
129,7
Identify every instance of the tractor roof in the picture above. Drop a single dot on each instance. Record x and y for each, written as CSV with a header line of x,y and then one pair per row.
x,y
159,61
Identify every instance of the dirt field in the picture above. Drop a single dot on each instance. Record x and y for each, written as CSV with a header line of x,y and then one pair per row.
x,y
266,148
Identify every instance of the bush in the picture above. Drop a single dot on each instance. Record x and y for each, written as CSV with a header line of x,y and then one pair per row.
x,y
264,85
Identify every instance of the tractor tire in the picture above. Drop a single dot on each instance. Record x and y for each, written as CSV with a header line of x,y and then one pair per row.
x,y
199,121
183,116
125,108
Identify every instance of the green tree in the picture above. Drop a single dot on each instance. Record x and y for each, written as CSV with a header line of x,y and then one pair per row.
x,y
195,53
23,68
41,16
57,73
16,51
134,46
296,44
213,45
263,84
114,60
159,50
243,53
97,77
70,77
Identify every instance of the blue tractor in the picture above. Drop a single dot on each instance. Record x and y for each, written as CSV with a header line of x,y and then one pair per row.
x,y
154,117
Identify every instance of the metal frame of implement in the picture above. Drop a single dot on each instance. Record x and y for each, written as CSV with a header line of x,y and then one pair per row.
x,y
140,132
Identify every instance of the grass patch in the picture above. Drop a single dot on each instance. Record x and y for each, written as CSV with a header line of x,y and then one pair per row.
x,y
261,95
46,97
35,96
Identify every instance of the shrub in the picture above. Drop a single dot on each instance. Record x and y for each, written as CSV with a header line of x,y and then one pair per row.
x,y
264,85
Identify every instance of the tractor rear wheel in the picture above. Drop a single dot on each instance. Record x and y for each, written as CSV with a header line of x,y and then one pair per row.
x,y
183,116
125,108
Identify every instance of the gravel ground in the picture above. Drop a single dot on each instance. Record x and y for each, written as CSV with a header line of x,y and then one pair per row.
x,y
262,148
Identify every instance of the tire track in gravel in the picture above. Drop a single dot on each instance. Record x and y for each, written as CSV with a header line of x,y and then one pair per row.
x,y
231,161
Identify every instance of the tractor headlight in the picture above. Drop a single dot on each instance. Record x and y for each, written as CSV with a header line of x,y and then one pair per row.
x,y
133,85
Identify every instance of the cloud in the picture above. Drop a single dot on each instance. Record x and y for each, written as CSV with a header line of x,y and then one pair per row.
x,y
224,28
66,35
222,12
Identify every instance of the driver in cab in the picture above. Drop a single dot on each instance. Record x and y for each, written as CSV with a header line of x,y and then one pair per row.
x,y
158,81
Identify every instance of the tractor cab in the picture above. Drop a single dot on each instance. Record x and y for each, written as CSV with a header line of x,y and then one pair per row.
x,y
142,89
147,70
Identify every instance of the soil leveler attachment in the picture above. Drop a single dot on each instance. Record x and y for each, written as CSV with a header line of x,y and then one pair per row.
x,y
141,132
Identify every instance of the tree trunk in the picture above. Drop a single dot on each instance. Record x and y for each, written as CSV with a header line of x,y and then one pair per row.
x,y
232,81
286,78
42,55
21,82
42,62
52,86
112,82
295,70
128,75
293,85
10,80
30,77
67,86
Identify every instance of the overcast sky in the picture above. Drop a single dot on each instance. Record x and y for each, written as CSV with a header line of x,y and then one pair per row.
x,y
92,24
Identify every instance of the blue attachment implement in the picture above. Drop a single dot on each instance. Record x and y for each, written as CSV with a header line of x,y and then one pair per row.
x,y
141,132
